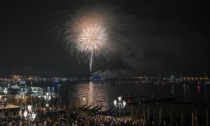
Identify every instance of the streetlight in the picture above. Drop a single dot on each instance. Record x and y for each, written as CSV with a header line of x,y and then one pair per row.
x,y
120,104
5,91
4,99
29,115
1,98
84,99
47,98
7,100
40,101
21,100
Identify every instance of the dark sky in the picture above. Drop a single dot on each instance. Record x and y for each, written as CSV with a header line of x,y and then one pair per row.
x,y
161,37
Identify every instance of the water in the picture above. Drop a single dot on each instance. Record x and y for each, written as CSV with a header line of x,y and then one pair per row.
x,y
195,97
108,92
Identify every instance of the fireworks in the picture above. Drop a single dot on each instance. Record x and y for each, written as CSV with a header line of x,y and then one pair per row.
x,y
90,32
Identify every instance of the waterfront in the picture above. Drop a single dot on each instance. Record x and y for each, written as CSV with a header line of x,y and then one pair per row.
x,y
190,98
169,103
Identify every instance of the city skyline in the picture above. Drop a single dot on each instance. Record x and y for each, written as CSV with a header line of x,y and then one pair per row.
x,y
158,37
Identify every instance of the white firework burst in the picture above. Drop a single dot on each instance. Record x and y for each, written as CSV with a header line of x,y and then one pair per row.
x,y
90,32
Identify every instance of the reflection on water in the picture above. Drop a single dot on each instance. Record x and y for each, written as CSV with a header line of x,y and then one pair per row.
x,y
206,91
172,90
92,94
186,90
199,88
104,94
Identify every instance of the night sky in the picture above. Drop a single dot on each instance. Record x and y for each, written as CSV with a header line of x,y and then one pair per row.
x,y
159,37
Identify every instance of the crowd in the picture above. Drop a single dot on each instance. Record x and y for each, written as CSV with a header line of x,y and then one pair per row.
x,y
83,116
72,117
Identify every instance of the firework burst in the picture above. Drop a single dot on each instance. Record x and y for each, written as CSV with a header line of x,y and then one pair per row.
x,y
90,32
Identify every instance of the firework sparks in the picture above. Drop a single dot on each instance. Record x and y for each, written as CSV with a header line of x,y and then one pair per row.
x,y
90,32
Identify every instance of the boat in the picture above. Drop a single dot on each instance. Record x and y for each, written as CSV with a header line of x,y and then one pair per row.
x,y
128,97
22,89
164,99
35,91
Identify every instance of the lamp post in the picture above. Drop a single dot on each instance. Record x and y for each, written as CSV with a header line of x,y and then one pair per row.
x,y
85,99
47,98
40,101
5,93
21,100
29,114
120,104
1,98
